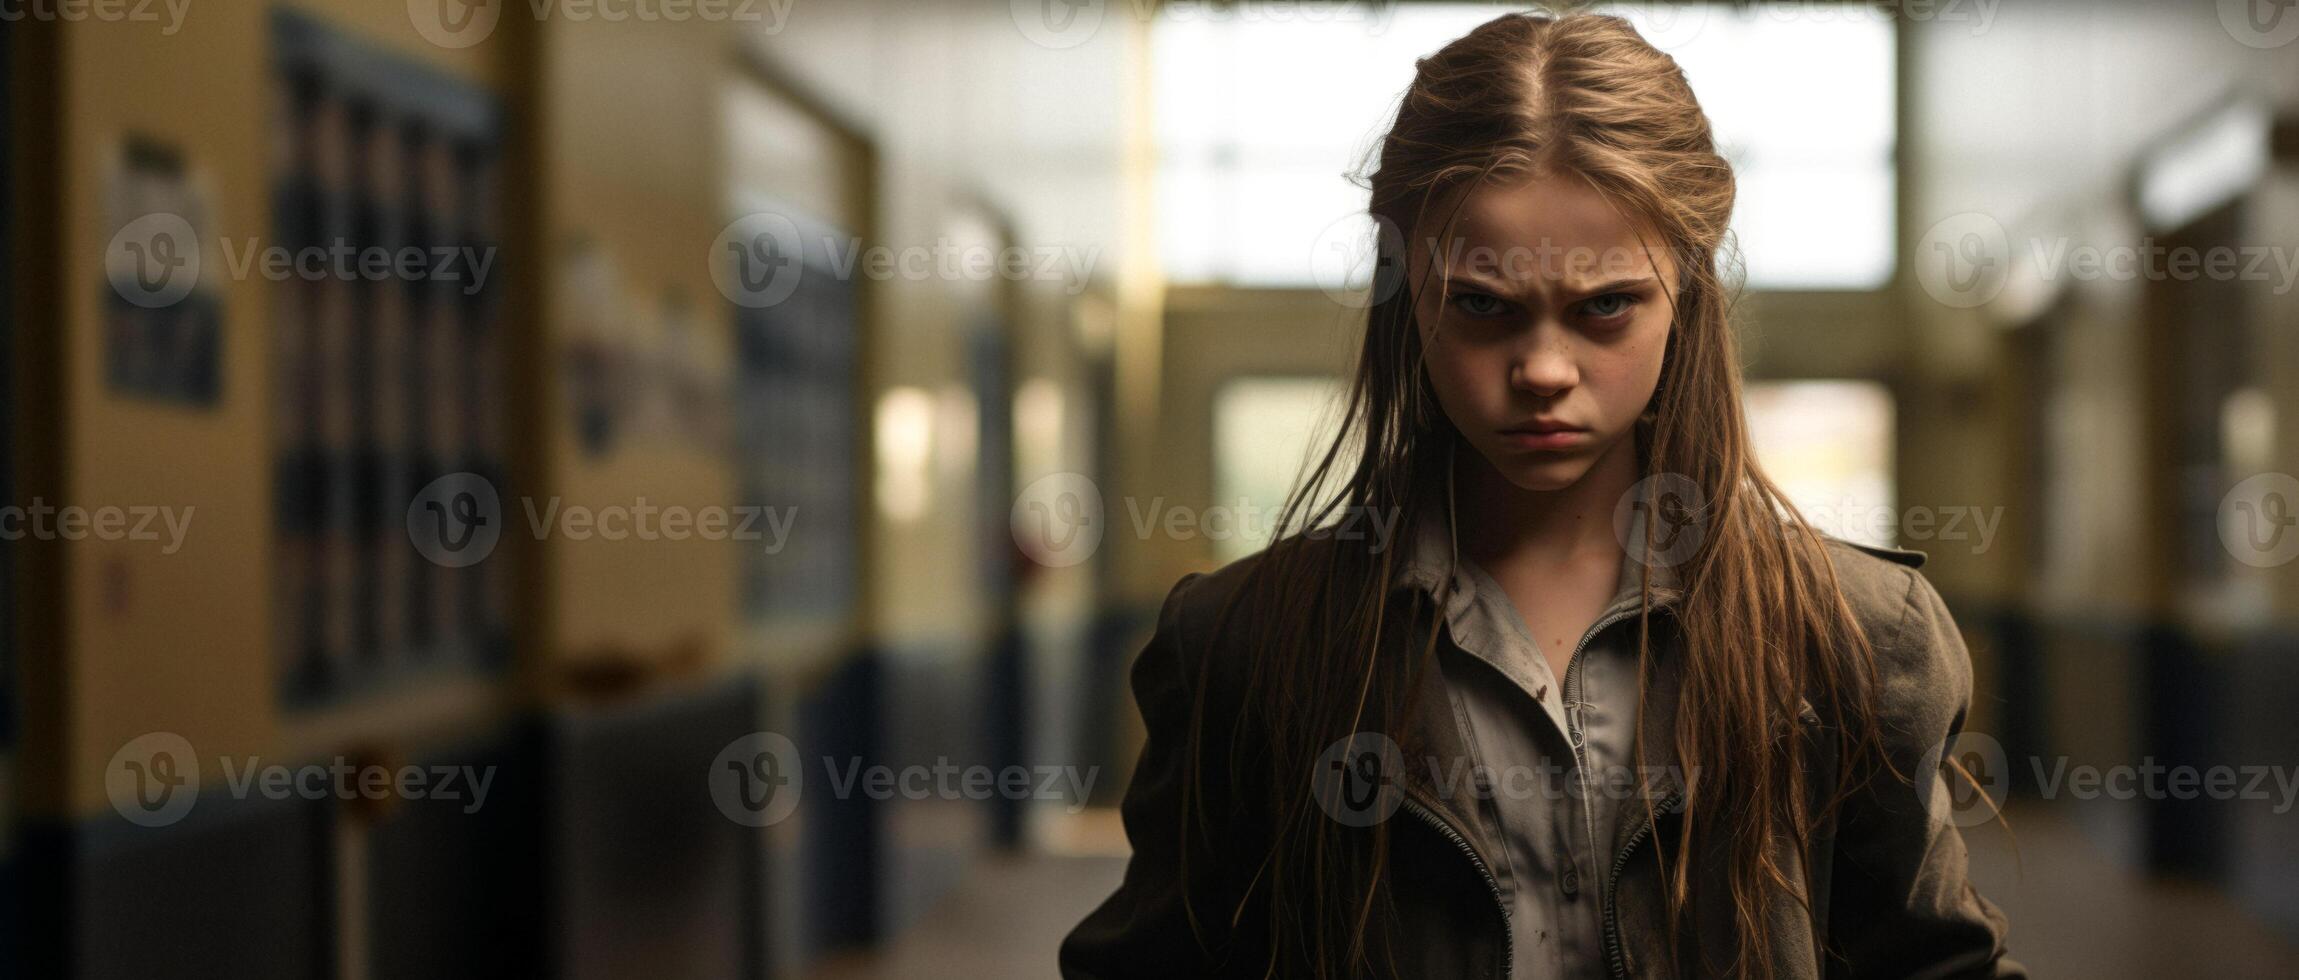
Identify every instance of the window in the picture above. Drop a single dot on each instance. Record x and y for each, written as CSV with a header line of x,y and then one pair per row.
x,y
1261,111
1264,432
1828,445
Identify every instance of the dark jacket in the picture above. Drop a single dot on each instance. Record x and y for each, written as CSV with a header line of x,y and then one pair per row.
x,y
1894,895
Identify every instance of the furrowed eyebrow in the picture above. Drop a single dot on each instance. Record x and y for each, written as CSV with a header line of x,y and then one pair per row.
x,y
1500,289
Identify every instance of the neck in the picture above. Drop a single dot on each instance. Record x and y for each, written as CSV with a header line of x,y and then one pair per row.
x,y
1515,524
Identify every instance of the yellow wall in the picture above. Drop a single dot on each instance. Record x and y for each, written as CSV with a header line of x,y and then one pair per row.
x,y
154,642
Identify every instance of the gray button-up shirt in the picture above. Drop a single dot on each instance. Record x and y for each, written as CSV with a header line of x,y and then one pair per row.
x,y
1544,748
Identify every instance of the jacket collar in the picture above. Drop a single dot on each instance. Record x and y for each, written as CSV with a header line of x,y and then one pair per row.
x,y
1433,563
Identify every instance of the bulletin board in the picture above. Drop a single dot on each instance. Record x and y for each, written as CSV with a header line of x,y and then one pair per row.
x,y
382,384
795,433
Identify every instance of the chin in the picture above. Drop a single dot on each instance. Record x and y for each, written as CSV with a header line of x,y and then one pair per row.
x,y
1544,473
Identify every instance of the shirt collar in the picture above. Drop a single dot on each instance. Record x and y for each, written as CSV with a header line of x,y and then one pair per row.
x,y
1432,559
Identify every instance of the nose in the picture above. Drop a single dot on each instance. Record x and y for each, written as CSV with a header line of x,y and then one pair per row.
x,y
1545,365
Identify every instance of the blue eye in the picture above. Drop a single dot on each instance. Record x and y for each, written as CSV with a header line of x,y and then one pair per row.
x,y
1479,304
1609,306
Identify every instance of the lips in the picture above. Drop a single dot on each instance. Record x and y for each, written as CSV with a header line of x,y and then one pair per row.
x,y
1543,427
1544,434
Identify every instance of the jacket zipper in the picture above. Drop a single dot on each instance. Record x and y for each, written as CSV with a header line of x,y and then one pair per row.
x,y
1572,693
1612,881
1620,860
1508,936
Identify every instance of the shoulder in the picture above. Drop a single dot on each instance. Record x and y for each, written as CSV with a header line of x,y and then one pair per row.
x,y
1236,591
1185,643
1876,581
1204,619
1924,670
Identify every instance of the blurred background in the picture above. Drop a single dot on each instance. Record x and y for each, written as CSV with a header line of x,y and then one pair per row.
x,y
671,488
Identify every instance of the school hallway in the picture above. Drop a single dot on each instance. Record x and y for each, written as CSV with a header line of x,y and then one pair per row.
x,y
509,489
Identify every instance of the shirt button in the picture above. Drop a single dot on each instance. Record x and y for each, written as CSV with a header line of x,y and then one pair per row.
x,y
1578,739
1570,883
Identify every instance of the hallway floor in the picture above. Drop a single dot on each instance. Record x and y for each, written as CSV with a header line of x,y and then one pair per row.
x,y
2083,917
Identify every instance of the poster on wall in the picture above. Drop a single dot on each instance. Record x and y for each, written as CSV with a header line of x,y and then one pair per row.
x,y
163,319
637,372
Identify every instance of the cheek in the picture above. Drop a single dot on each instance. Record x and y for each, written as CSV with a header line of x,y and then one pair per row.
x,y
1461,373
1626,374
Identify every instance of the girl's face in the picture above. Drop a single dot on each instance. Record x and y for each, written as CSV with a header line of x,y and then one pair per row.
x,y
1547,345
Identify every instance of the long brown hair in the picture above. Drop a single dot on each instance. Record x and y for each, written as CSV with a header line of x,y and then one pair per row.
x,y
1762,625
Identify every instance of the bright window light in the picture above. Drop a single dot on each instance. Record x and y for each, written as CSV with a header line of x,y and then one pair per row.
x,y
1264,432
1258,121
1828,445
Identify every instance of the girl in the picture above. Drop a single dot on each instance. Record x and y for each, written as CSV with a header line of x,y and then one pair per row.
x,y
1611,709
